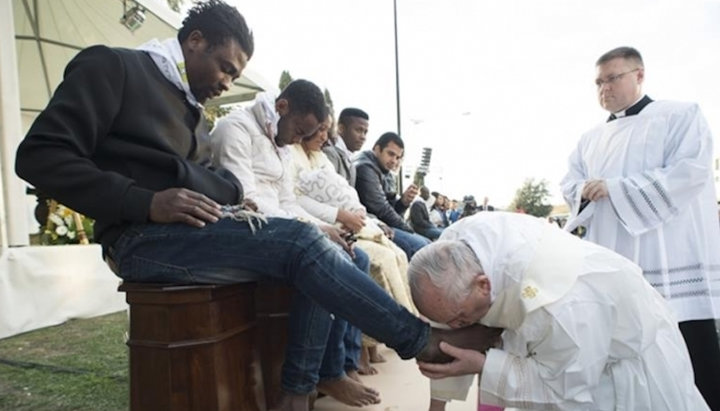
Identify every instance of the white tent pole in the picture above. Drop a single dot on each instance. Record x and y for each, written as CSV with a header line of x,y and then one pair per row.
x,y
13,208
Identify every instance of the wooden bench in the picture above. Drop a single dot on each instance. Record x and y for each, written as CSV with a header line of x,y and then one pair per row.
x,y
205,347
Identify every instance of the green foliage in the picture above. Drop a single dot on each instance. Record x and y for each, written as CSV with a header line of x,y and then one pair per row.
x,y
175,5
213,113
285,79
531,198
328,99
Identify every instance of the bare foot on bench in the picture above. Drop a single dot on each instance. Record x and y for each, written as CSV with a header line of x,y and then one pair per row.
x,y
364,367
476,337
349,391
292,402
375,356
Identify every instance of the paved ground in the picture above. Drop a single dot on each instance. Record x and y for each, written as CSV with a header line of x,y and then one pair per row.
x,y
402,388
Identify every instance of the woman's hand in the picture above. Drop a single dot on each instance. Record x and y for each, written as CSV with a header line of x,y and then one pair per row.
x,y
350,220
337,236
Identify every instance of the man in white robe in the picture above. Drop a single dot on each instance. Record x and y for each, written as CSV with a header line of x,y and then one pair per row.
x,y
583,329
642,185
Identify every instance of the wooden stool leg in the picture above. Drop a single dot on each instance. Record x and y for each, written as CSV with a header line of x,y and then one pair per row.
x,y
272,304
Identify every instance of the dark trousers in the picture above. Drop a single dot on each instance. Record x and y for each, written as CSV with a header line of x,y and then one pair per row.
x,y
701,338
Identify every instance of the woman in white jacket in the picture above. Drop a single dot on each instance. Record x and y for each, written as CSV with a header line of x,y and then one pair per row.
x,y
326,195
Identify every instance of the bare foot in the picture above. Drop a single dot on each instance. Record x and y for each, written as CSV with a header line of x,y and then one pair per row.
x,y
375,356
349,391
353,375
477,337
364,367
292,402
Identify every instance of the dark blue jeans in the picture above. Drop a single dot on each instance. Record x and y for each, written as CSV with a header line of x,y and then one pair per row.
x,y
431,233
409,242
353,347
290,251
345,340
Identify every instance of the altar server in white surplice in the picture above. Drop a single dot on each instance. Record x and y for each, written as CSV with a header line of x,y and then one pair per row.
x,y
642,184
583,329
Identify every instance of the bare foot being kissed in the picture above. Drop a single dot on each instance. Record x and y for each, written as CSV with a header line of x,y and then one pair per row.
x,y
476,337
348,391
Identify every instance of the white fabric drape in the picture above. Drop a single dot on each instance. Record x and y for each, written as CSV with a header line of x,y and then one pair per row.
x,y
48,285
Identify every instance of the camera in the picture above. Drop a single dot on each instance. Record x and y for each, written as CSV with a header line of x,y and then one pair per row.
x,y
349,237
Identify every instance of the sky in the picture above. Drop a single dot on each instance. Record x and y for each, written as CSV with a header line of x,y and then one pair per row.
x,y
501,90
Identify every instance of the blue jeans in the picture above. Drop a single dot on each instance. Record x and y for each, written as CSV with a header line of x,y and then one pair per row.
x,y
289,251
409,242
343,350
353,347
431,233
344,342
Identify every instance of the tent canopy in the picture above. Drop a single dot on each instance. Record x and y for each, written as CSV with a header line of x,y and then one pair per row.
x,y
50,32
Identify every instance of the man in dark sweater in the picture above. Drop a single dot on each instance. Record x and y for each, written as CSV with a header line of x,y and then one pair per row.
x,y
123,140
377,190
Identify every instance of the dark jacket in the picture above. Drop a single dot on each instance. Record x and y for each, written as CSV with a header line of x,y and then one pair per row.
x,y
419,217
114,133
377,191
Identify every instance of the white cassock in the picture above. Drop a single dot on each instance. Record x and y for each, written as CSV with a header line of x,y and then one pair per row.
x,y
661,212
583,329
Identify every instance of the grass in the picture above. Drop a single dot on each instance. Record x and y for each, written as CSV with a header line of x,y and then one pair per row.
x,y
79,365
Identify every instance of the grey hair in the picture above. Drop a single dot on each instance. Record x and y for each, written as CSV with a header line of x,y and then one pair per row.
x,y
627,53
450,266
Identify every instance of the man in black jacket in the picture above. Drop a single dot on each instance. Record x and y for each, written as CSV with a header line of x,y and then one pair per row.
x,y
420,217
377,190
123,140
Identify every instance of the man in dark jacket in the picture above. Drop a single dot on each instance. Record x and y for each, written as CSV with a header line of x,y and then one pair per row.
x,y
123,141
420,217
378,193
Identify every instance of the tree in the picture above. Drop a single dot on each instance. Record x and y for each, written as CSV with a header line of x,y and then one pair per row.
x,y
213,113
328,99
531,198
175,5
285,79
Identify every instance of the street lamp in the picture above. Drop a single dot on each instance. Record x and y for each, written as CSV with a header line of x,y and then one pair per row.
x,y
397,88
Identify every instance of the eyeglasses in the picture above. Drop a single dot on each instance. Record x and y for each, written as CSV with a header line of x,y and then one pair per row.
x,y
613,79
